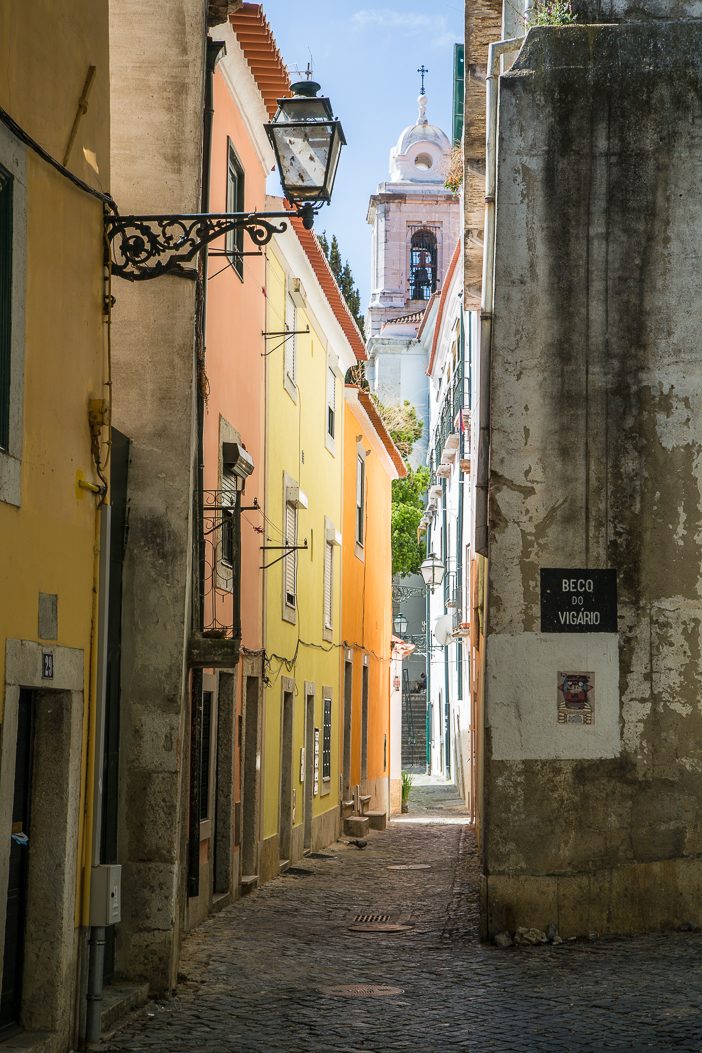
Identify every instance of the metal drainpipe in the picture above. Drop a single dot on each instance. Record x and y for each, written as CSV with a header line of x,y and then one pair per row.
x,y
96,951
495,53
429,711
214,50
460,590
446,716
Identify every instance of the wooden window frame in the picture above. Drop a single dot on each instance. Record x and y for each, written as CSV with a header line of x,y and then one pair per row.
x,y
235,203
14,166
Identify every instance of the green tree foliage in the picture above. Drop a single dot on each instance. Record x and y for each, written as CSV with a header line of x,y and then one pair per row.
x,y
407,510
403,424
552,13
344,277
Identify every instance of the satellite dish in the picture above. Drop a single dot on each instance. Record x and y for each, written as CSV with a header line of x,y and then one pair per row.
x,y
443,627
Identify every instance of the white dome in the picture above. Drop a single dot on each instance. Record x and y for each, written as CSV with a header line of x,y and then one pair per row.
x,y
421,151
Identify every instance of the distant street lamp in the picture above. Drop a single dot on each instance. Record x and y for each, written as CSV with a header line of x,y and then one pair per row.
x,y
306,139
400,624
432,570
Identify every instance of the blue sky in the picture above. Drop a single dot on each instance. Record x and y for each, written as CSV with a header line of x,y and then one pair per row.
x,y
365,57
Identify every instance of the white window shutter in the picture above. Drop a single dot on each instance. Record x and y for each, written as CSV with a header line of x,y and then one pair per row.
x,y
328,584
290,561
290,348
360,497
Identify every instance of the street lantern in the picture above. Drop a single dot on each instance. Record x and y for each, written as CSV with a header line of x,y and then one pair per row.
x,y
307,140
432,570
400,624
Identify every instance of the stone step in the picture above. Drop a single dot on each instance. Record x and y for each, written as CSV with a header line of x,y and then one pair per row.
x,y
248,883
119,999
377,820
356,826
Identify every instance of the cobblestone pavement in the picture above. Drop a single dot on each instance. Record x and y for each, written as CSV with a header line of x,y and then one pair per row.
x,y
261,975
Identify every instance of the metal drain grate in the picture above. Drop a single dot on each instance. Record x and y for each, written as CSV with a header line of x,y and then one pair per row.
x,y
375,921
362,991
410,866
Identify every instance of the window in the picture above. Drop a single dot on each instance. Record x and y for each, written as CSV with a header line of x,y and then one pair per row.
x,y
235,203
205,751
328,584
290,559
360,498
229,500
13,261
331,402
422,265
5,303
290,348
326,740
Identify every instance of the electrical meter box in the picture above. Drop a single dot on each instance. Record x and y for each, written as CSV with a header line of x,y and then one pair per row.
x,y
106,895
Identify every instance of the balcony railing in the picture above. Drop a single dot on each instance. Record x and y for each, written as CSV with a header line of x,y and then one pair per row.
x,y
451,435
217,643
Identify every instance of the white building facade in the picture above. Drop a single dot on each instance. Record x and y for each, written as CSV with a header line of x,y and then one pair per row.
x,y
416,224
447,524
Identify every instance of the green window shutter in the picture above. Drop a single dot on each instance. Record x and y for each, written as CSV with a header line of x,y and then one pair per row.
x,y
458,89
5,303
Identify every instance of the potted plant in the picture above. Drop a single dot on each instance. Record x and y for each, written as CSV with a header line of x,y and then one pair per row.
x,y
407,781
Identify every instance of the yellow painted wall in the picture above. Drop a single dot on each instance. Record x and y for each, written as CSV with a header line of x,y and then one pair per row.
x,y
295,443
45,52
48,542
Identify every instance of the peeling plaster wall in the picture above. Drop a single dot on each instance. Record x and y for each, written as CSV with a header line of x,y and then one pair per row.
x,y
636,10
596,451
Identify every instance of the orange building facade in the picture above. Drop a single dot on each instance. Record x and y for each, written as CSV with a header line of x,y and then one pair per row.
x,y
371,462
248,78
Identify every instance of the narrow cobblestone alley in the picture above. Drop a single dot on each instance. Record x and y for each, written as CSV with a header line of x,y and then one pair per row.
x,y
268,972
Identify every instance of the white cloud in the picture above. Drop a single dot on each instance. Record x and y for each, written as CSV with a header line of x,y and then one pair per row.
x,y
435,27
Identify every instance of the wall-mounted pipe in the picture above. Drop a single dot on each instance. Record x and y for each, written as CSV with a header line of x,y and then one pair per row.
x,y
495,53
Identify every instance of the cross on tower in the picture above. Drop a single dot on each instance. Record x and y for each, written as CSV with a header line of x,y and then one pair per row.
x,y
422,70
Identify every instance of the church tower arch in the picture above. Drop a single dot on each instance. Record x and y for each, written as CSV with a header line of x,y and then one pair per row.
x,y
422,264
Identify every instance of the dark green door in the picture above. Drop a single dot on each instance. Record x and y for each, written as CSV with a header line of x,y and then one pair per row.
x,y
16,916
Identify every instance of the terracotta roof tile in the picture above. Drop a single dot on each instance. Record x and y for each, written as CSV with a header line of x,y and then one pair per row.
x,y
371,409
331,290
406,319
261,52
442,305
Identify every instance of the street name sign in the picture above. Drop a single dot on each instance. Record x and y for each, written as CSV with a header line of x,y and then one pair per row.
x,y
578,601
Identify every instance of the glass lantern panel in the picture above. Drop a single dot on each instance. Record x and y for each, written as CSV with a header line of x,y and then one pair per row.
x,y
300,109
303,151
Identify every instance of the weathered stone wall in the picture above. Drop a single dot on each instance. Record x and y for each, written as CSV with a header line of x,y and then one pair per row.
x,y
157,70
636,10
596,461
483,26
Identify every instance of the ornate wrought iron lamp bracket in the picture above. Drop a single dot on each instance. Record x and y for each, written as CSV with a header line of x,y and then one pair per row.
x,y
143,247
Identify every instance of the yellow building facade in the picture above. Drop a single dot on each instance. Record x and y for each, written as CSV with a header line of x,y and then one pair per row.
x,y
310,343
54,170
